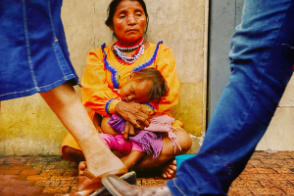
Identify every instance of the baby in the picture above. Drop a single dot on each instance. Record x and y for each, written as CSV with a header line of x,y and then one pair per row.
x,y
144,86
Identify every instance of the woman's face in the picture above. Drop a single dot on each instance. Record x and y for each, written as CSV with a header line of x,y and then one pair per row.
x,y
129,22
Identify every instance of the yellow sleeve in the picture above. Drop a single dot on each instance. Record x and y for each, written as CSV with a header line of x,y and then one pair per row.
x,y
166,64
96,92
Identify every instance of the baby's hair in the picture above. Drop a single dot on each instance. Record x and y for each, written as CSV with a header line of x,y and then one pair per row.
x,y
159,86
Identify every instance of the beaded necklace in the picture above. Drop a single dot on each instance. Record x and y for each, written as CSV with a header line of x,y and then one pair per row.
x,y
122,57
114,72
133,47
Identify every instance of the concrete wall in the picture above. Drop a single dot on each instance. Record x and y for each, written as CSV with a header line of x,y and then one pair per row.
x,y
280,133
27,126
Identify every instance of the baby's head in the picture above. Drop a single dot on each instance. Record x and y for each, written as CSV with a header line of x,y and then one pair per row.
x,y
145,85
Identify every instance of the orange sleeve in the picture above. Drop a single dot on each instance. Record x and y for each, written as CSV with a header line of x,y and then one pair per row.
x,y
166,64
96,92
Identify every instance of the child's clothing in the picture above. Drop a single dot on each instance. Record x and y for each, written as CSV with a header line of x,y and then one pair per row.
x,y
118,143
146,138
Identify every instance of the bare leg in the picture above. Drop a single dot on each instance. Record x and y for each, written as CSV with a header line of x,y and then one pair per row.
x,y
165,161
132,158
128,160
76,155
66,104
168,154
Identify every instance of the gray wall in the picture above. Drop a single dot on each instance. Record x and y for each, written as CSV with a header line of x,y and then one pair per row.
x,y
225,15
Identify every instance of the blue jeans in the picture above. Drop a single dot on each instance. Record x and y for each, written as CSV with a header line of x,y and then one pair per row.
x,y
262,58
33,50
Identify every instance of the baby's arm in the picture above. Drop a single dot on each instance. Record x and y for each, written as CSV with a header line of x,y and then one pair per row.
x,y
106,127
119,125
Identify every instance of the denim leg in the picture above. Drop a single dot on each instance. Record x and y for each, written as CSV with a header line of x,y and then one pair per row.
x,y
262,58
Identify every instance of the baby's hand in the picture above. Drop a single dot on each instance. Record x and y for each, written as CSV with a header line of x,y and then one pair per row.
x,y
129,130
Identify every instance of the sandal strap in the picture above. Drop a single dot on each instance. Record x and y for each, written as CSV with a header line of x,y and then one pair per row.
x,y
117,172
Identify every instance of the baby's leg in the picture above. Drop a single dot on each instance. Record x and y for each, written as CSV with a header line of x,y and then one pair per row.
x,y
131,150
132,158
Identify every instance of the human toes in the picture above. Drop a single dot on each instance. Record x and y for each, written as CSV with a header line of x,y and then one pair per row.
x,y
82,166
170,170
168,173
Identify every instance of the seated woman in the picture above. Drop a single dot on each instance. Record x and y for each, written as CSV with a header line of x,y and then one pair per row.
x,y
110,67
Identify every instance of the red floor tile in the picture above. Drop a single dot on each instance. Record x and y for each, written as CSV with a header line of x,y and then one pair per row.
x,y
265,174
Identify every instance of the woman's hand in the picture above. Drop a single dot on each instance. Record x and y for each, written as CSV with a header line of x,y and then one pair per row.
x,y
133,113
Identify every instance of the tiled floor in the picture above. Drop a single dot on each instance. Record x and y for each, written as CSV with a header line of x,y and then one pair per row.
x,y
265,174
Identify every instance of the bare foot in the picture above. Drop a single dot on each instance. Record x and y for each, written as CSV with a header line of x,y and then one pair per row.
x,y
169,171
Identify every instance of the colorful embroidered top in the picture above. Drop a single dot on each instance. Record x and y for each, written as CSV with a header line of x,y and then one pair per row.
x,y
104,75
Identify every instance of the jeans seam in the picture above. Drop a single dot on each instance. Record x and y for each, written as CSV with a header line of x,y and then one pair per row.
x,y
57,57
39,88
55,43
16,92
28,49
178,188
51,21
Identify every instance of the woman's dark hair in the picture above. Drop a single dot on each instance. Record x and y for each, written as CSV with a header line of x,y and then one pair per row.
x,y
112,8
159,86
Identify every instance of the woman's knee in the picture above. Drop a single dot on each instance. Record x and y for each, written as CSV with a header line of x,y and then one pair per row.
x,y
184,140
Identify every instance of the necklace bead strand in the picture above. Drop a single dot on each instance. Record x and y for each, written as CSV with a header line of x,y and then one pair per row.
x,y
119,50
128,59
129,48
